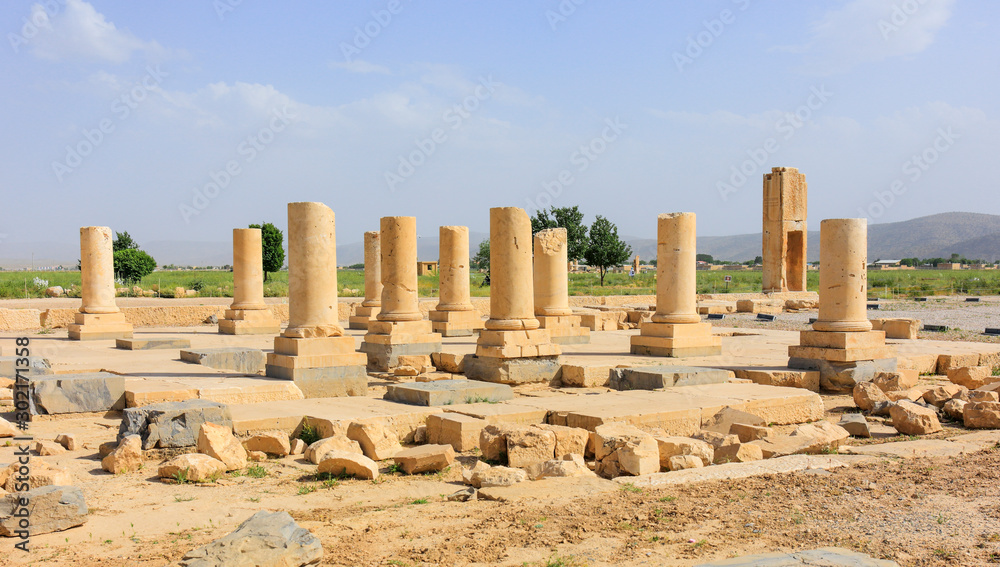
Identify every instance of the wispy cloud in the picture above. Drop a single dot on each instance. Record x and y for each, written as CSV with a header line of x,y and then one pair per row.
x,y
82,33
359,66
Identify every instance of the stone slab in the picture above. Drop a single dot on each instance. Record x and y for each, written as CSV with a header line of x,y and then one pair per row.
x,y
658,377
447,392
385,357
324,382
731,471
77,393
841,354
36,365
509,412
246,360
172,424
542,369
151,344
823,557
911,449
558,489
780,376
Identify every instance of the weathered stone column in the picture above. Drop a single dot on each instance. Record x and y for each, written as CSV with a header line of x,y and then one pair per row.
x,y
313,351
551,283
399,328
248,314
676,269
676,329
784,231
99,316
511,278
369,308
842,345
512,349
843,276
454,315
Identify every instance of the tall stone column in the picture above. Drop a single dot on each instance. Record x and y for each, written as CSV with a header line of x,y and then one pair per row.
x,y
99,316
842,345
784,231
312,351
676,329
369,308
454,315
551,283
399,328
248,314
512,349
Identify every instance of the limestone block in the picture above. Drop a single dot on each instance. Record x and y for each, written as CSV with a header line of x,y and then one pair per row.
x,y
682,462
48,448
68,441
625,449
738,453
572,466
955,409
493,441
50,509
716,439
172,424
469,473
425,458
938,395
972,377
449,362
724,419
670,447
981,415
152,344
246,360
913,394
126,457
901,379
569,440
448,392
314,452
457,430
823,436
266,538
748,433
194,467
867,394
901,328
946,362
219,442
41,474
377,443
498,476
527,446
585,376
855,424
77,393
342,463
657,377
911,419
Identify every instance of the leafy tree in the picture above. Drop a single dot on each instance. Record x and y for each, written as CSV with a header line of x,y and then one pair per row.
x,y
271,240
705,258
131,265
481,261
123,241
569,218
605,249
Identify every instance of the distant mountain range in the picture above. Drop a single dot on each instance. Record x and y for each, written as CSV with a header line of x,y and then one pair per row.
x,y
973,235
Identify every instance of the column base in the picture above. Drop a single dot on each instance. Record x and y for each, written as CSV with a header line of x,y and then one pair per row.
x,y
386,340
321,367
676,340
843,376
96,326
455,323
516,344
842,346
539,369
363,316
565,329
249,322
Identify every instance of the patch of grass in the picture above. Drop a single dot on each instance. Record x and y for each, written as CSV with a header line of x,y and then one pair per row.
x,y
309,434
562,561
303,490
395,468
179,498
942,519
44,331
668,498
253,498
419,501
479,399
182,476
256,471
629,487
996,371
700,544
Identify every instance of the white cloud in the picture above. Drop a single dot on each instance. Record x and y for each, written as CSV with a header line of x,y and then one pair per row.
x,y
81,32
359,66
864,31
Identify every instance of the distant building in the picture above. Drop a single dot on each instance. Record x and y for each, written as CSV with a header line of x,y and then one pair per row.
x,y
426,268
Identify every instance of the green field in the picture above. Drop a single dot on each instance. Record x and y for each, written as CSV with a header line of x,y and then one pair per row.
x,y
350,283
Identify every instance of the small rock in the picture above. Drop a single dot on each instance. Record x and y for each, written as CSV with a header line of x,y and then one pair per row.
x,y
895,381
983,396
527,446
739,453
420,435
193,467
105,449
681,462
376,443
911,419
49,448
463,495
270,442
913,395
955,409
498,476
572,466
298,447
256,456
51,509
54,291
405,370
425,458
866,395
420,363
68,441
342,463
972,377
7,429
41,474
748,433
938,395
470,473
218,442
717,440
266,538
126,457
625,449
684,446
314,453
855,424
982,415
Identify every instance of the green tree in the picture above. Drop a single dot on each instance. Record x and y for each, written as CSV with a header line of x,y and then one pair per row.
x,y
569,218
131,265
271,240
481,261
123,241
605,249
705,258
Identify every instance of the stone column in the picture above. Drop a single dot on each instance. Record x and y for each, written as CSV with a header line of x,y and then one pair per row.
x,y
551,282
399,270
99,316
97,270
843,276
313,351
454,315
248,314
676,269
511,290
399,328
365,313
676,329
512,349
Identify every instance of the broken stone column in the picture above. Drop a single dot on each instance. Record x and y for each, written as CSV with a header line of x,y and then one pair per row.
x,y
248,314
512,349
551,283
370,307
312,350
399,328
99,316
842,344
676,328
454,315
784,246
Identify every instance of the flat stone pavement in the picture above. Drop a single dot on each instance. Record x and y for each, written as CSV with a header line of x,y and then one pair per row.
x,y
824,557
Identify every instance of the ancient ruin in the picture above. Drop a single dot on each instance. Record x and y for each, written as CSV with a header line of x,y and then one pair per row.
x,y
454,315
248,314
99,316
551,284
369,308
785,198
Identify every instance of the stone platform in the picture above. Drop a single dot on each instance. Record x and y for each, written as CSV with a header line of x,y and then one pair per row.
x,y
229,390
151,344
659,377
77,393
824,557
246,360
447,392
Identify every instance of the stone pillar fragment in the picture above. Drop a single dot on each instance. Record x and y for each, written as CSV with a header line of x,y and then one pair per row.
x,y
369,308
784,233
676,329
248,314
454,315
512,349
99,316
842,344
312,350
399,328
551,283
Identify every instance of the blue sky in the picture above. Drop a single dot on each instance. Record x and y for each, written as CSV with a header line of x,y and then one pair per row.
x,y
216,114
